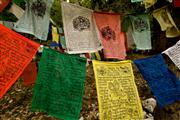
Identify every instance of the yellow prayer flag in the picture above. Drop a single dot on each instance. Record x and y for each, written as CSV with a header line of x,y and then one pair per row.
x,y
117,93
149,3
55,35
98,57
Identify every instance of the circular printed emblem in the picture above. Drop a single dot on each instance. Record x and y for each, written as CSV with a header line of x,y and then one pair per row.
x,y
140,25
108,33
38,7
81,23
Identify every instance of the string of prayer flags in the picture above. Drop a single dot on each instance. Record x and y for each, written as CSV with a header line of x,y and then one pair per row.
x,y
3,4
149,3
117,93
112,39
163,16
29,74
80,30
59,87
174,53
16,52
55,35
176,3
35,20
16,10
163,83
141,31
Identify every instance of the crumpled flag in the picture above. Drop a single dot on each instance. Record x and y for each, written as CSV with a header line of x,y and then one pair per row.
x,y
163,83
141,31
29,74
16,52
163,16
112,39
35,20
80,30
149,3
117,92
176,3
55,35
16,10
174,53
133,1
59,87
4,4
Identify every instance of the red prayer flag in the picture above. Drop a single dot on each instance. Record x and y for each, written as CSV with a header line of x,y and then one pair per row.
x,y
176,3
30,73
16,52
3,4
112,38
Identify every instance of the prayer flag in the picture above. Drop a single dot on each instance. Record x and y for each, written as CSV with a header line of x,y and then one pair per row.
x,y
163,83
35,19
116,89
149,3
3,4
174,53
141,31
16,52
55,35
16,10
163,16
80,30
59,87
112,39
176,3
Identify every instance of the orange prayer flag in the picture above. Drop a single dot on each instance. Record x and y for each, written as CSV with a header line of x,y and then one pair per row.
x,y
3,4
16,52
112,38
30,73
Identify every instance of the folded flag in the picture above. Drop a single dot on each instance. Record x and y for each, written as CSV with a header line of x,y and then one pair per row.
x,y
163,16
35,19
80,31
16,52
3,4
116,89
59,87
174,53
163,83
141,31
112,39
29,74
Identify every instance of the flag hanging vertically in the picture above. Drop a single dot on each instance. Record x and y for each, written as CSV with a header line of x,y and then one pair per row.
x,y
35,19
59,87
163,82
112,38
16,52
116,89
80,31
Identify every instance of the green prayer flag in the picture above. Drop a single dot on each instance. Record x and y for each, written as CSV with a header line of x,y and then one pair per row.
x,y
60,85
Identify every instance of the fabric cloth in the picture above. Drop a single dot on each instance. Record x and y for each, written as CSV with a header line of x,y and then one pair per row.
x,y
141,31
80,30
16,10
112,39
163,16
133,1
117,93
16,52
163,83
35,20
59,87
55,35
3,4
130,39
149,3
176,3
63,42
29,74
174,53
8,24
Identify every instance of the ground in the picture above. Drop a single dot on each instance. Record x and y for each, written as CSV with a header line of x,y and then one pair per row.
x,y
15,105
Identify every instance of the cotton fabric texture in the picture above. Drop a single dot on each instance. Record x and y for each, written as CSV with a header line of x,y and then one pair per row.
x,y
113,40
36,18
163,83
59,87
80,31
